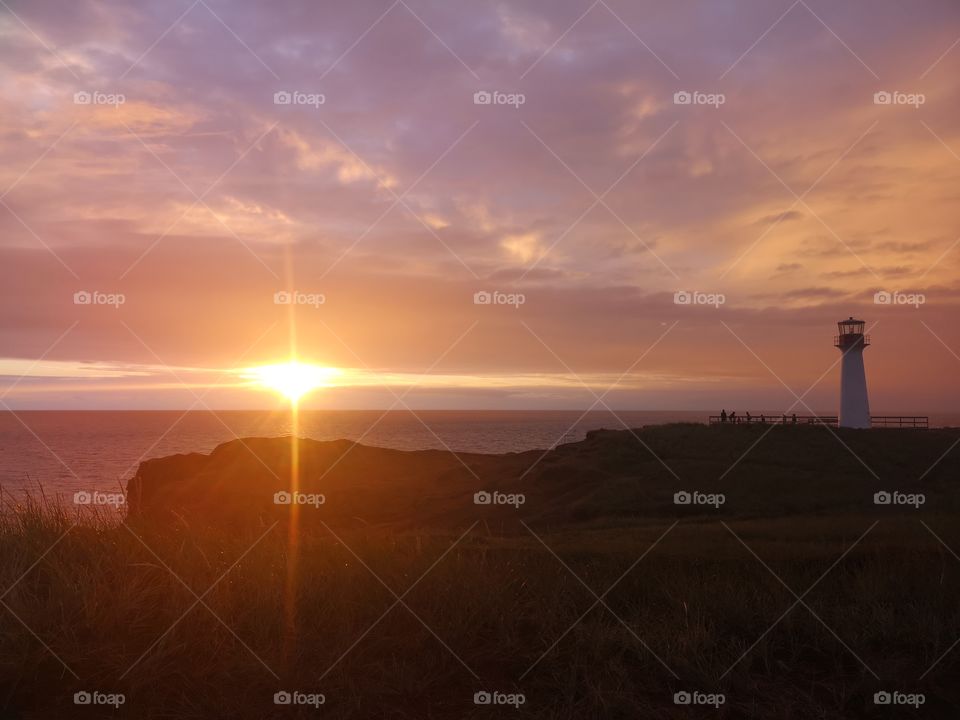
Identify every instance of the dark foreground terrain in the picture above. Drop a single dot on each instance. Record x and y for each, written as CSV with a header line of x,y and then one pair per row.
x,y
581,590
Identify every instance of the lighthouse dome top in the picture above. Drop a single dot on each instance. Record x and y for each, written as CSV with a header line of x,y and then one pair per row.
x,y
851,332
851,326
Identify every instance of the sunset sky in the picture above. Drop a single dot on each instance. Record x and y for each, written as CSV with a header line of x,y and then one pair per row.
x,y
186,191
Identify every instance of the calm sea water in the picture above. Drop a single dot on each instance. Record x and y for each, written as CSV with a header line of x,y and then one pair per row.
x,y
67,451
62,452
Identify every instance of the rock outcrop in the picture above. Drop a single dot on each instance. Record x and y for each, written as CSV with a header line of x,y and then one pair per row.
x,y
610,477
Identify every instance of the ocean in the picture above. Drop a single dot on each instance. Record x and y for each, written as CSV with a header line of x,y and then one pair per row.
x,y
60,452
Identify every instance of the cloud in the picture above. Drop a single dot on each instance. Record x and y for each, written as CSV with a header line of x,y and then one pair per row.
x,y
620,196
348,167
780,217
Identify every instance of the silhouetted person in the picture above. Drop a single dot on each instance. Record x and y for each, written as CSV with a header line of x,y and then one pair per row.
x,y
748,417
762,419
794,418
733,416
723,416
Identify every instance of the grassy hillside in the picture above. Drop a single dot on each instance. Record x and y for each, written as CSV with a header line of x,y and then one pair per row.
x,y
611,476
692,599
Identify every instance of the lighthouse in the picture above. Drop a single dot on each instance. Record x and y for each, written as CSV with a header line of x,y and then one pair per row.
x,y
854,406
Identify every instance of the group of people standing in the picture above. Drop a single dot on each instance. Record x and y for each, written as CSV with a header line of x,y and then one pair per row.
x,y
748,418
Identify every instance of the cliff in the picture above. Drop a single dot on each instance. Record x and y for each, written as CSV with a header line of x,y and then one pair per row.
x,y
610,477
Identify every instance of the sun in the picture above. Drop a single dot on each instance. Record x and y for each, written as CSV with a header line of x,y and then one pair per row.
x,y
293,379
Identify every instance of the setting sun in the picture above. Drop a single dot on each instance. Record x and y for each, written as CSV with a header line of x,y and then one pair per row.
x,y
293,379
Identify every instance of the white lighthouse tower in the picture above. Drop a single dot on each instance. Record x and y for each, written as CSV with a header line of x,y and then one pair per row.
x,y
854,406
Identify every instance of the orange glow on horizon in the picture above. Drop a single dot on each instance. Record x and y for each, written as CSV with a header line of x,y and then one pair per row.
x,y
293,379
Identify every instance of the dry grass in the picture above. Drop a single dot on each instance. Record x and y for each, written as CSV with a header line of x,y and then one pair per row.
x,y
101,598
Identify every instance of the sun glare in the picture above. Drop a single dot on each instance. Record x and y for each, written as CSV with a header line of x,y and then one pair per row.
x,y
293,379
